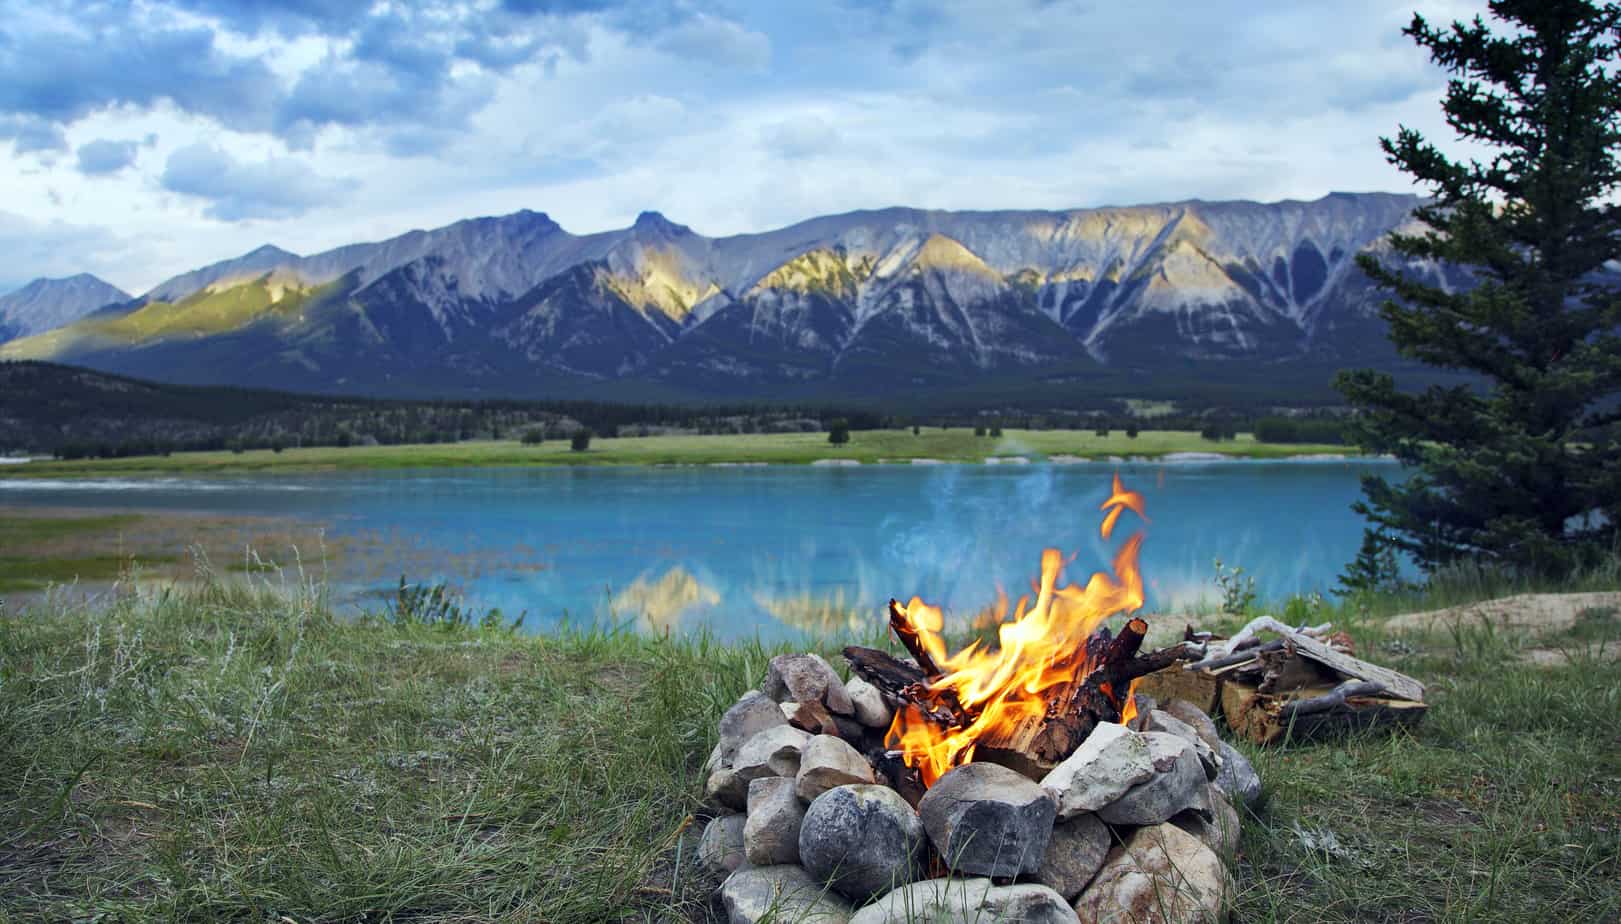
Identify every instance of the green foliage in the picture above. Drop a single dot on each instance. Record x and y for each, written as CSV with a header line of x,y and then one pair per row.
x,y
1299,430
1131,431
581,440
534,436
1376,568
1101,430
838,432
996,432
979,430
1525,473
435,605
1219,430
1238,592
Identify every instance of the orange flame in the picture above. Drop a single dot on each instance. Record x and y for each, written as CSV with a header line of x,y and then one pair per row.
x,y
1042,647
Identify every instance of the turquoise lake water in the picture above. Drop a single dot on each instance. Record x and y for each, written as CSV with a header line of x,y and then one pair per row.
x,y
777,550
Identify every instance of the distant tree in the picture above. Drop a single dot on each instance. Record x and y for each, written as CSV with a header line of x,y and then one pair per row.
x,y
581,440
1526,472
996,432
979,430
1218,430
1102,430
534,436
838,432
1131,431
916,430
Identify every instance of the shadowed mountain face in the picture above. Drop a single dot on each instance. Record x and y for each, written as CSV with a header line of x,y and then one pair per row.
x,y
47,303
855,303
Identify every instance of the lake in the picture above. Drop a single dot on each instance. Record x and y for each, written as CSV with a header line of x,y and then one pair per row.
x,y
773,550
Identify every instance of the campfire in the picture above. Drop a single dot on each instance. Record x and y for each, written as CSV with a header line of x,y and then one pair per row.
x,y
1030,700
1057,773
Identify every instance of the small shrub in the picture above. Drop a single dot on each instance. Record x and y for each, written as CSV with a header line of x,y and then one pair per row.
x,y
534,436
580,441
838,432
1237,591
979,431
1131,432
1102,431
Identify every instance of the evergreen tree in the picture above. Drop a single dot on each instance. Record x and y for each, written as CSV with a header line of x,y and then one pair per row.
x,y
838,432
1525,472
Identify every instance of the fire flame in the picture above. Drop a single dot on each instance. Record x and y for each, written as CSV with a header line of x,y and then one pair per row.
x,y
1042,647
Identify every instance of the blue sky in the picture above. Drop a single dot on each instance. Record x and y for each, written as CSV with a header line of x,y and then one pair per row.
x,y
142,138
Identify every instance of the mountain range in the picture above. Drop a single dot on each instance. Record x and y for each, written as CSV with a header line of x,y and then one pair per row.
x,y
860,304
49,303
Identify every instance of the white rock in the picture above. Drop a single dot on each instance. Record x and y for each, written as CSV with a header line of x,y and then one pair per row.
x,y
771,834
871,710
1161,721
1160,875
968,901
784,893
828,762
1178,784
773,752
1109,762
753,713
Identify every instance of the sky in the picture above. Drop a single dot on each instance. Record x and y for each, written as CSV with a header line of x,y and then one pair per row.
x,y
143,138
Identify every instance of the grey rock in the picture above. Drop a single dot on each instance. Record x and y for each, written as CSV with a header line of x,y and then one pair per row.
x,y
969,901
721,849
870,708
1197,719
1237,777
780,894
1160,875
772,752
1178,784
1161,721
754,712
1109,762
771,834
1218,827
724,788
801,678
862,840
987,820
828,762
1074,855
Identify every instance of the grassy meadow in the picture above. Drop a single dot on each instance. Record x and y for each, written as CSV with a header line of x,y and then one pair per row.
x,y
233,752
868,447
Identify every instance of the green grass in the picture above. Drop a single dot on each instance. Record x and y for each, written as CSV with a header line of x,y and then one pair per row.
x,y
221,754
23,539
867,447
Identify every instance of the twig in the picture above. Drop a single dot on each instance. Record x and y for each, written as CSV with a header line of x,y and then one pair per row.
x,y
1330,700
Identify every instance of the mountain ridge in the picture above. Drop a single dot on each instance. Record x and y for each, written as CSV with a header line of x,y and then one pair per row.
x,y
908,298
47,303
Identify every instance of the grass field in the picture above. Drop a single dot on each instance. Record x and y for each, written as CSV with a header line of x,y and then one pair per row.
x,y
867,447
222,754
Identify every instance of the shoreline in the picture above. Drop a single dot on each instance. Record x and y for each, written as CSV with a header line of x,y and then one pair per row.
x,y
882,448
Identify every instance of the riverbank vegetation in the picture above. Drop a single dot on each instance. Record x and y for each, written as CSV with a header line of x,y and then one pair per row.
x,y
232,751
867,447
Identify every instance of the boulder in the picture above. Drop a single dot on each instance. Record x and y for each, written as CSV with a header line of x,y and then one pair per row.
x,y
862,840
1160,875
724,788
721,849
1109,762
1237,777
828,762
868,700
778,894
771,834
772,752
987,820
1074,855
1218,828
1178,784
802,678
967,900
754,712
1161,721
1197,720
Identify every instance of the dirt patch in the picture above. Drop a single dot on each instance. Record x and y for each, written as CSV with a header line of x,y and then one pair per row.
x,y
1539,613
